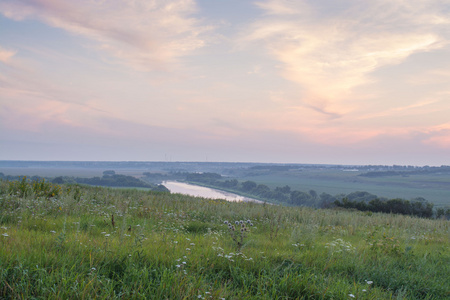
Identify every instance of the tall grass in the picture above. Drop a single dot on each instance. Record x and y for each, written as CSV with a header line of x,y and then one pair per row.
x,y
164,246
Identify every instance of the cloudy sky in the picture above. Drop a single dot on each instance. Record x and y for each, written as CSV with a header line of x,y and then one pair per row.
x,y
288,81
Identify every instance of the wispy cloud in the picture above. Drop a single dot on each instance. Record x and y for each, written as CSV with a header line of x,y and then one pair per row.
x,y
145,34
6,55
330,49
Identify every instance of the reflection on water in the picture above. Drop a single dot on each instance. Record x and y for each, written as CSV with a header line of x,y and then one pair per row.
x,y
200,191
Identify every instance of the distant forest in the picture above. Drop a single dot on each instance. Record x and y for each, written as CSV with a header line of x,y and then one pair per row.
x,y
109,179
409,171
358,200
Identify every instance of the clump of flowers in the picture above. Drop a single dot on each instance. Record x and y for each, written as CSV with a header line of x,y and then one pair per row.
x,y
238,231
340,245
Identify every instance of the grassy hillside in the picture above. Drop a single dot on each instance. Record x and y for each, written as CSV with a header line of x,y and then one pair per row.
x,y
71,242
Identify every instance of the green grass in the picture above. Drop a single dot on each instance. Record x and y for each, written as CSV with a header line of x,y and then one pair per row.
x,y
166,246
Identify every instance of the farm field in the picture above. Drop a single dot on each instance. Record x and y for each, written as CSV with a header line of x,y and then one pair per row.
x,y
76,242
434,188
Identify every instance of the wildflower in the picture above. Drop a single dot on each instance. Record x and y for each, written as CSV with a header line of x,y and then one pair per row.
x,y
226,222
106,235
351,295
52,231
187,249
5,234
192,244
369,282
178,266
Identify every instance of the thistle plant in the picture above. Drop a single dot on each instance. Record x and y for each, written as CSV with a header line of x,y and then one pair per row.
x,y
238,231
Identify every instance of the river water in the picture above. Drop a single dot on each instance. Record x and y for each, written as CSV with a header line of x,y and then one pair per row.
x,y
200,191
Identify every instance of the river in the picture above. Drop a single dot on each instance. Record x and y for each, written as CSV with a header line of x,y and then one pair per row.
x,y
205,192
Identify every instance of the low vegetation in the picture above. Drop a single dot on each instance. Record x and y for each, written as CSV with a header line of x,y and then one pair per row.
x,y
62,241
359,200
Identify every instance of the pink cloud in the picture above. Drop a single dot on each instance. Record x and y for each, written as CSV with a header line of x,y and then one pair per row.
x,y
6,55
330,55
145,35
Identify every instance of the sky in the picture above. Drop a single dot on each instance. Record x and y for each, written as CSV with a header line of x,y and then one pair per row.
x,y
281,81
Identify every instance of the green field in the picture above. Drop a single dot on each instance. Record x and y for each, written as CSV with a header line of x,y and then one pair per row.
x,y
434,188
72,242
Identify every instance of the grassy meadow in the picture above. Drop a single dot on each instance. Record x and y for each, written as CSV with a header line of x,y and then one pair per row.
x,y
76,242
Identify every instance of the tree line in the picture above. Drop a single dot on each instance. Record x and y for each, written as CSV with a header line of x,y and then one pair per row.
x,y
360,200
109,179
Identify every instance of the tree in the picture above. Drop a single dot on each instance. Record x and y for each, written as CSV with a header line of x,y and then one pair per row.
x,y
248,185
230,183
326,200
313,194
262,190
300,198
58,180
109,173
285,189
